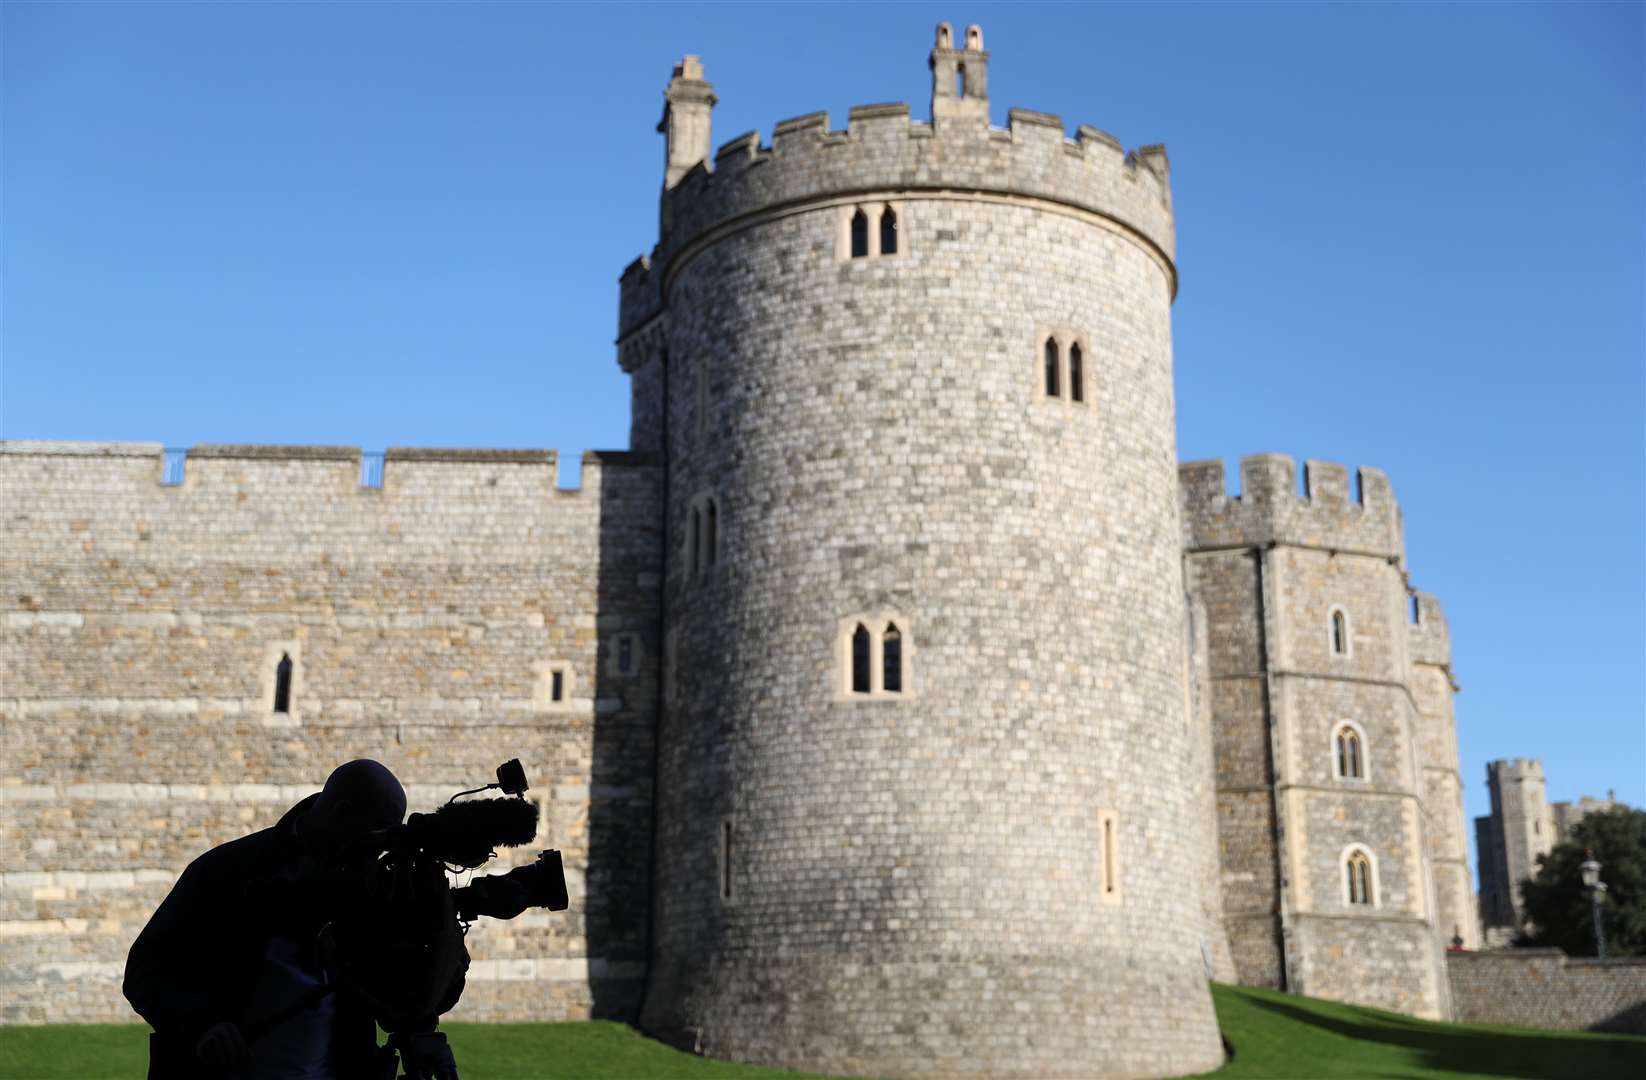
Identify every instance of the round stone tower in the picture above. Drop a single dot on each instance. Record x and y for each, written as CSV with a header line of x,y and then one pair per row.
x,y
924,803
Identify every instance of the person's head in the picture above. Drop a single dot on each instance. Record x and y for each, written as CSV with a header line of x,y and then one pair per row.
x,y
360,797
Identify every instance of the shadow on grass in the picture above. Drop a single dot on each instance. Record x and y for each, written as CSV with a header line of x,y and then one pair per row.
x,y
1469,1050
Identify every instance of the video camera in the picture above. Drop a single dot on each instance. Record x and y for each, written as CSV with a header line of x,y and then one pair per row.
x,y
396,939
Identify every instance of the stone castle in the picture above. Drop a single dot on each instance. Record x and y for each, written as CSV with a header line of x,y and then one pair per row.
x,y
1522,826
901,706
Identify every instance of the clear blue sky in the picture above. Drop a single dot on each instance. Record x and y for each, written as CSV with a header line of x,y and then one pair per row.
x,y
1409,236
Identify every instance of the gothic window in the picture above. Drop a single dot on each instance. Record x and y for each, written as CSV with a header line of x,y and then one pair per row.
x,y
1053,389
860,659
860,234
1350,751
282,684
1358,878
1340,633
892,655
702,536
1077,385
874,651
888,231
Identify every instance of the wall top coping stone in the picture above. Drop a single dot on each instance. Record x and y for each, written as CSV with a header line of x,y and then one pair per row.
x,y
278,453
1472,956
43,448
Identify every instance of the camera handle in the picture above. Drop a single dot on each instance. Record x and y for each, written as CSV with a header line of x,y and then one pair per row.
x,y
511,780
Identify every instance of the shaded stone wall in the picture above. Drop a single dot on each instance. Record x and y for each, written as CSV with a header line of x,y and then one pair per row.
x,y
142,627
1544,988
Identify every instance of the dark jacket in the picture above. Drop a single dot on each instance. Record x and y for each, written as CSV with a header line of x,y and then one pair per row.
x,y
197,961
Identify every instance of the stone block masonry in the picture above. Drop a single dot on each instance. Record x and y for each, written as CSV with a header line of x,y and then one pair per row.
x,y
425,620
1544,988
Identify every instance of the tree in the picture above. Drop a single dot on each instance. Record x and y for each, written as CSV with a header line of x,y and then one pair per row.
x,y
1557,905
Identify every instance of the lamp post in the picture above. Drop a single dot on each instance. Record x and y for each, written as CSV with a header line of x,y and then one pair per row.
x,y
1597,888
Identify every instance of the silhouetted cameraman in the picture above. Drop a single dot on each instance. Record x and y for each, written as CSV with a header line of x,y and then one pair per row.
x,y
235,945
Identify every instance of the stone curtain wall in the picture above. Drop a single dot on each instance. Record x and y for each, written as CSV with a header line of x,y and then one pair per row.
x,y
1544,988
141,630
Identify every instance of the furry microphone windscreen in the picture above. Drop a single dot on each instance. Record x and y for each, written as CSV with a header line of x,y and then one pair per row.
x,y
465,832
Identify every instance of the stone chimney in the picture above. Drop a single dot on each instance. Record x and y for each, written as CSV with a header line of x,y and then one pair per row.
x,y
685,125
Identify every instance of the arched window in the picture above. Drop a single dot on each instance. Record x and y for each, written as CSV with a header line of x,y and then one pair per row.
x,y
888,231
1357,869
860,234
860,659
1077,385
1052,387
1349,752
960,80
892,660
711,527
282,684
1340,634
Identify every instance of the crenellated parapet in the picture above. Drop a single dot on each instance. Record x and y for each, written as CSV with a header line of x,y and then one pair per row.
x,y
34,473
1269,510
1429,640
884,150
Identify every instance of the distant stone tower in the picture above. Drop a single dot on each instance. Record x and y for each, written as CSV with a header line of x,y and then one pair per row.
x,y
1337,802
1520,828
924,787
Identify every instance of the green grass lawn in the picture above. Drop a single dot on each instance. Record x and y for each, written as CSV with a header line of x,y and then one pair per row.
x,y
1275,1036
1280,1036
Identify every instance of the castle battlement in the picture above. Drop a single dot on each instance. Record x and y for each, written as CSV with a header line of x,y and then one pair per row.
x,y
1514,769
1429,639
28,465
884,151
1268,509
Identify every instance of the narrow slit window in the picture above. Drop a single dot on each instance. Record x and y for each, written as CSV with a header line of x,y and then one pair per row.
x,y
625,654
860,659
1340,634
711,527
702,409
1359,869
1111,856
1077,384
694,542
892,657
725,860
860,234
1052,387
557,686
888,231
282,684
960,80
